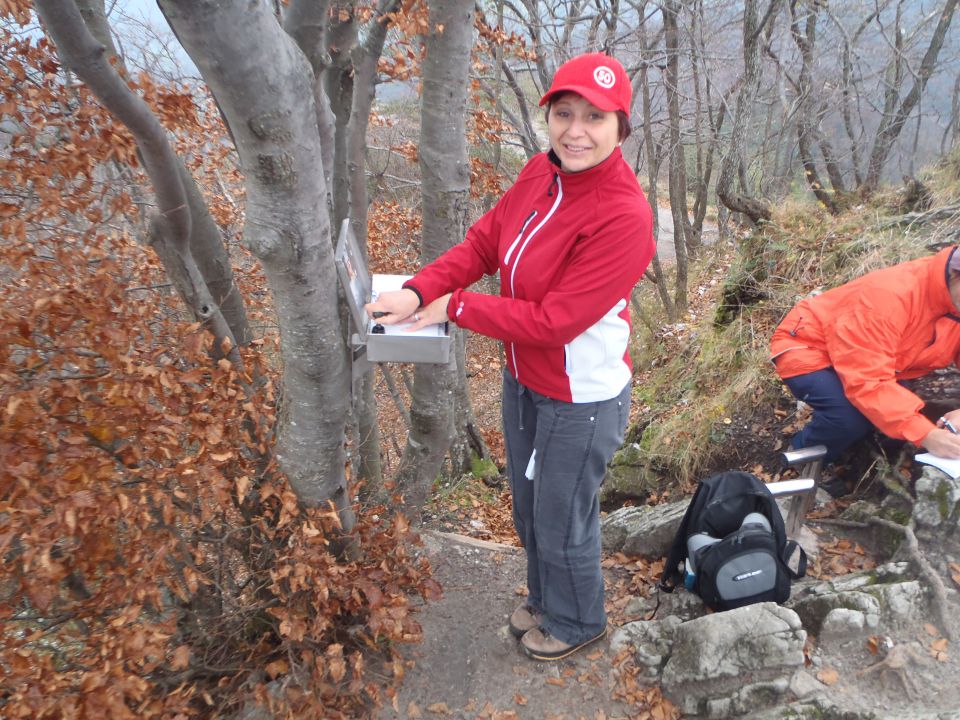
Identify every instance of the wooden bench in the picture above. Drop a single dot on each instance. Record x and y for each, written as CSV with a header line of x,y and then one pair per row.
x,y
804,488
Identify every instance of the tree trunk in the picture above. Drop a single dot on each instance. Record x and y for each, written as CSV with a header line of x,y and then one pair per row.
x,y
172,228
677,163
205,241
340,38
806,133
705,147
445,173
264,86
364,63
755,209
892,122
653,170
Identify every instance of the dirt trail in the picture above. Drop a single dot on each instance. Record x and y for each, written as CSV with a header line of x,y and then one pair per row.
x,y
469,666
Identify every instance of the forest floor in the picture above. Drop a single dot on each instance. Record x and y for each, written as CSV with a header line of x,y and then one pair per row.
x,y
469,666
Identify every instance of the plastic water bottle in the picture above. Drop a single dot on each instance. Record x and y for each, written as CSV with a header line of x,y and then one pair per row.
x,y
694,543
758,519
689,577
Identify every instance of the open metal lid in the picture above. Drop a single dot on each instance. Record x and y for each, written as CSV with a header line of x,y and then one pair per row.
x,y
353,276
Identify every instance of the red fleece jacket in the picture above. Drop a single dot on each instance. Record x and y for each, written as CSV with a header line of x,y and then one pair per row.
x,y
569,248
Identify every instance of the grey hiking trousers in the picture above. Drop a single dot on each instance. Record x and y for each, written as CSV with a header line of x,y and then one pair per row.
x,y
557,455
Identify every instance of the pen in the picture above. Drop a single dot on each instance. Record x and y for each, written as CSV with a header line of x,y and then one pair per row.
x,y
949,426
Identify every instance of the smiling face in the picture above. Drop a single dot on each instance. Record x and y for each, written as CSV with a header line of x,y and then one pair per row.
x,y
581,134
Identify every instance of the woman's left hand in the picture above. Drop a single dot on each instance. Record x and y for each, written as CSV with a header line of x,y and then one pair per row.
x,y
435,312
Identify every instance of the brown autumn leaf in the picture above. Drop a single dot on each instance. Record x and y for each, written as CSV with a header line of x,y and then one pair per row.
x,y
931,630
559,682
277,667
439,708
181,658
519,699
828,676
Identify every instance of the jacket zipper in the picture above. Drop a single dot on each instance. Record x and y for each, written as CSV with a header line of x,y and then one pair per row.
x,y
513,271
513,245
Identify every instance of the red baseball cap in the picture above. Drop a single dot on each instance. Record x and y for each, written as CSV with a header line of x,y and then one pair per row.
x,y
597,77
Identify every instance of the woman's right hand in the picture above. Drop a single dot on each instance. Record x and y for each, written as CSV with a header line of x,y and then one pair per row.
x,y
397,306
942,443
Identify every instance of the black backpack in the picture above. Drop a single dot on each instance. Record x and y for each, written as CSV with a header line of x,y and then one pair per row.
x,y
742,563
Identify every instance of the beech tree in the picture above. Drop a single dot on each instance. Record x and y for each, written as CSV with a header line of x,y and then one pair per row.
x,y
445,173
145,519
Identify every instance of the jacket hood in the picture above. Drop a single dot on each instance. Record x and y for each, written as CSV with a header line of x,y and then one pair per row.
x,y
939,277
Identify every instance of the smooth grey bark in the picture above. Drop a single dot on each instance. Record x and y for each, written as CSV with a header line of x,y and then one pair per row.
x,y
528,138
264,85
306,21
952,131
520,120
655,272
445,183
754,208
172,228
893,120
206,243
352,71
706,146
642,81
364,58
340,39
805,38
677,174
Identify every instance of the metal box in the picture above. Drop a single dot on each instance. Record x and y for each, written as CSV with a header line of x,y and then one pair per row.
x,y
427,345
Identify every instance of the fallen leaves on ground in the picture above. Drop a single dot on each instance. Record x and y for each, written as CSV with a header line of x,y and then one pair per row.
x,y
628,577
938,649
470,507
648,701
955,572
839,556
828,676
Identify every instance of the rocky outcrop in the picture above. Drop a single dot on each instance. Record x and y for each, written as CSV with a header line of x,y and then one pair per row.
x,y
647,530
751,662
936,511
728,663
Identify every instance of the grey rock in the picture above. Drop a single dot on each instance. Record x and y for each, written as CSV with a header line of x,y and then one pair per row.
x,y
712,655
646,530
937,508
815,709
747,699
803,685
901,604
814,608
652,642
841,625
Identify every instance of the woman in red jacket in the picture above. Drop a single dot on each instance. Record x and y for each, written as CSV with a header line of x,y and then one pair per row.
x,y
844,352
570,239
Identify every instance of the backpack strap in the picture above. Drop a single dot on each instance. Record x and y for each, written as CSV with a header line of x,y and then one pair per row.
x,y
672,576
788,551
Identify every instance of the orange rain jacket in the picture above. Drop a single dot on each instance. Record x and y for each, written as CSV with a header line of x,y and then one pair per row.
x,y
892,324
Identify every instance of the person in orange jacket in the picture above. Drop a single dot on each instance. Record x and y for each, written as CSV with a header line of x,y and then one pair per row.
x,y
845,351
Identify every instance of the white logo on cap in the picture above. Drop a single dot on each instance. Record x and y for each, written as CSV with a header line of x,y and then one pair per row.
x,y
604,77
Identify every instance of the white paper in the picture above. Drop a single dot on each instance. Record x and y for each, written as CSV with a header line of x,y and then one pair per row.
x,y
950,467
386,283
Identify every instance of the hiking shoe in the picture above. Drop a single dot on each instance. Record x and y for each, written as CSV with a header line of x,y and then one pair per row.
x,y
523,619
541,645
